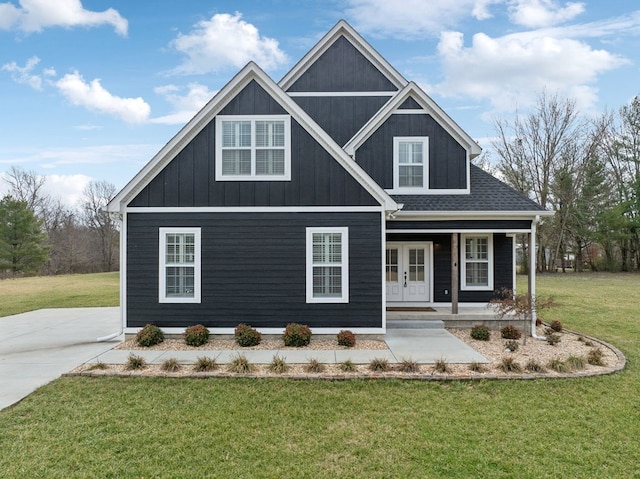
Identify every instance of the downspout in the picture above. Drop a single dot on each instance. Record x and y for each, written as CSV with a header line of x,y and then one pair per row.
x,y
532,284
117,217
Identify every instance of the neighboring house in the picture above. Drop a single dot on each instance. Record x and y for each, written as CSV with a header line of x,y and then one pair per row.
x,y
322,199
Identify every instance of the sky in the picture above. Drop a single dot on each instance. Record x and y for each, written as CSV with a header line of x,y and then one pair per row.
x,y
92,89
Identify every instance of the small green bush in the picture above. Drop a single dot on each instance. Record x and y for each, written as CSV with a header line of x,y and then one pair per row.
x,y
510,332
512,345
297,335
509,365
204,364
558,366
247,336
135,362
408,366
97,365
556,326
534,367
477,367
576,363
149,335
379,365
346,338
348,366
196,335
240,364
480,333
278,365
314,366
552,338
441,366
171,365
595,357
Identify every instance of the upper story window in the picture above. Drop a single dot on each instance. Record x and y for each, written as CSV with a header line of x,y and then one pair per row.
x,y
253,148
410,164
477,264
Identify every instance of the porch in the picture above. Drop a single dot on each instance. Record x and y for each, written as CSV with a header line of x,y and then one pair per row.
x,y
467,317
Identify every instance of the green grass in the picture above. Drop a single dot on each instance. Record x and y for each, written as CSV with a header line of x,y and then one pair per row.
x,y
67,291
265,428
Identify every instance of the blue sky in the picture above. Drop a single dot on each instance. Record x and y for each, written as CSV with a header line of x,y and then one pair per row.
x,y
92,89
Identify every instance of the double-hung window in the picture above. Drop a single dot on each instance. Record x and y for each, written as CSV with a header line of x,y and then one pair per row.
x,y
410,164
327,265
179,265
253,148
477,267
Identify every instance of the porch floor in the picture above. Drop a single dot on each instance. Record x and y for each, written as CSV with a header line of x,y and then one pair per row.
x,y
467,316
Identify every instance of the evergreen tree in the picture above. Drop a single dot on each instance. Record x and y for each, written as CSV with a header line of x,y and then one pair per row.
x,y
23,246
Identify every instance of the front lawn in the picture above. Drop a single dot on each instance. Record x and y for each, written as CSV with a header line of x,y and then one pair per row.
x,y
271,428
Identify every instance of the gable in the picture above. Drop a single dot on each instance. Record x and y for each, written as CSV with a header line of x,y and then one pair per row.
x,y
317,179
410,104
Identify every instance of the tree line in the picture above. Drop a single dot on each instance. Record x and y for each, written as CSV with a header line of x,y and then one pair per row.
x,y
40,234
586,170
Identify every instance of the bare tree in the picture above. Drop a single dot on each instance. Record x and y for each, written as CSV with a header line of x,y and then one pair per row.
x,y
28,187
95,198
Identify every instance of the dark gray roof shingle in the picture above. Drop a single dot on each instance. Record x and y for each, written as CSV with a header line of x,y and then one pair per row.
x,y
487,194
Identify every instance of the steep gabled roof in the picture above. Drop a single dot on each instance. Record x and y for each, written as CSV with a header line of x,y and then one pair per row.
x,y
250,72
413,91
342,29
488,195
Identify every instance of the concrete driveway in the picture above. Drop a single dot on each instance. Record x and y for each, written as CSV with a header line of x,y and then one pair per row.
x,y
37,347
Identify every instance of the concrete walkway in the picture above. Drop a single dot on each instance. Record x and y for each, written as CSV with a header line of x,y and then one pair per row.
x,y
37,347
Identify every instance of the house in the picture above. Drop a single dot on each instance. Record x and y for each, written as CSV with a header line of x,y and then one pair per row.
x,y
322,199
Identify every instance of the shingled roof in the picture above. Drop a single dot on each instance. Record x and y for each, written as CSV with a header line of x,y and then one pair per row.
x,y
487,194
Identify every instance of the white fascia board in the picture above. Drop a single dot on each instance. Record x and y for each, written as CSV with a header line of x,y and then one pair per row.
x,y
228,331
342,28
468,215
430,107
250,72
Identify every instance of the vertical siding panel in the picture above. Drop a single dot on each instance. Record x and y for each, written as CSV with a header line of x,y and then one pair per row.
x,y
202,174
186,180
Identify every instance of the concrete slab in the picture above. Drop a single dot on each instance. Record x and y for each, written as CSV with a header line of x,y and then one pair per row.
x,y
427,346
364,356
39,346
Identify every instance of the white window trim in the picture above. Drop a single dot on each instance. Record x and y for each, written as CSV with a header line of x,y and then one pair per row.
x,y
463,262
197,264
397,189
253,177
344,297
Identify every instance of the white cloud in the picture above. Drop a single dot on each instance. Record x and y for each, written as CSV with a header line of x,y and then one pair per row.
x,y
36,15
514,69
413,18
225,41
25,74
185,105
68,188
542,13
95,97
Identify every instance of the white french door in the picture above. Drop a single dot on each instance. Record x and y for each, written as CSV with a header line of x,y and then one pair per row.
x,y
408,272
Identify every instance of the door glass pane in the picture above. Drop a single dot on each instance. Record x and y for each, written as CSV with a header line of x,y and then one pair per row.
x,y
392,265
416,264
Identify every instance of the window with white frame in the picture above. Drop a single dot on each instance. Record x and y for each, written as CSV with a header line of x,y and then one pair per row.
x,y
179,265
327,265
410,164
253,148
477,264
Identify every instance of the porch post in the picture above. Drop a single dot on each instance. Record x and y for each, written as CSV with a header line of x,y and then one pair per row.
x,y
454,273
532,277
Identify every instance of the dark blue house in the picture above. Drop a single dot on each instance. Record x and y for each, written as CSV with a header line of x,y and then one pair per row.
x,y
323,199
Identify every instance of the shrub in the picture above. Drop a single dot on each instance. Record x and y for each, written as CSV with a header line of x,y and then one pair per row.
x,y
576,363
149,335
346,338
441,366
594,357
477,367
314,366
556,326
97,365
135,362
408,366
480,333
348,366
379,365
240,364
534,367
552,338
171,365
511,345
558,366
509,365
278,365
247,336
510,332
196,335
204,364
297,335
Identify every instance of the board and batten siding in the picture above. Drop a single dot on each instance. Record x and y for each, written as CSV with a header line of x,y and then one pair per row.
x,y
447,158
254,270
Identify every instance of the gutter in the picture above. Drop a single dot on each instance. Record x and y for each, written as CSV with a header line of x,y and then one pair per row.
x,y
532,245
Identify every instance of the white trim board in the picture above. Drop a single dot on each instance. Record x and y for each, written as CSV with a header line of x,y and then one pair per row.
x,y
278,331
255,209
310,94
